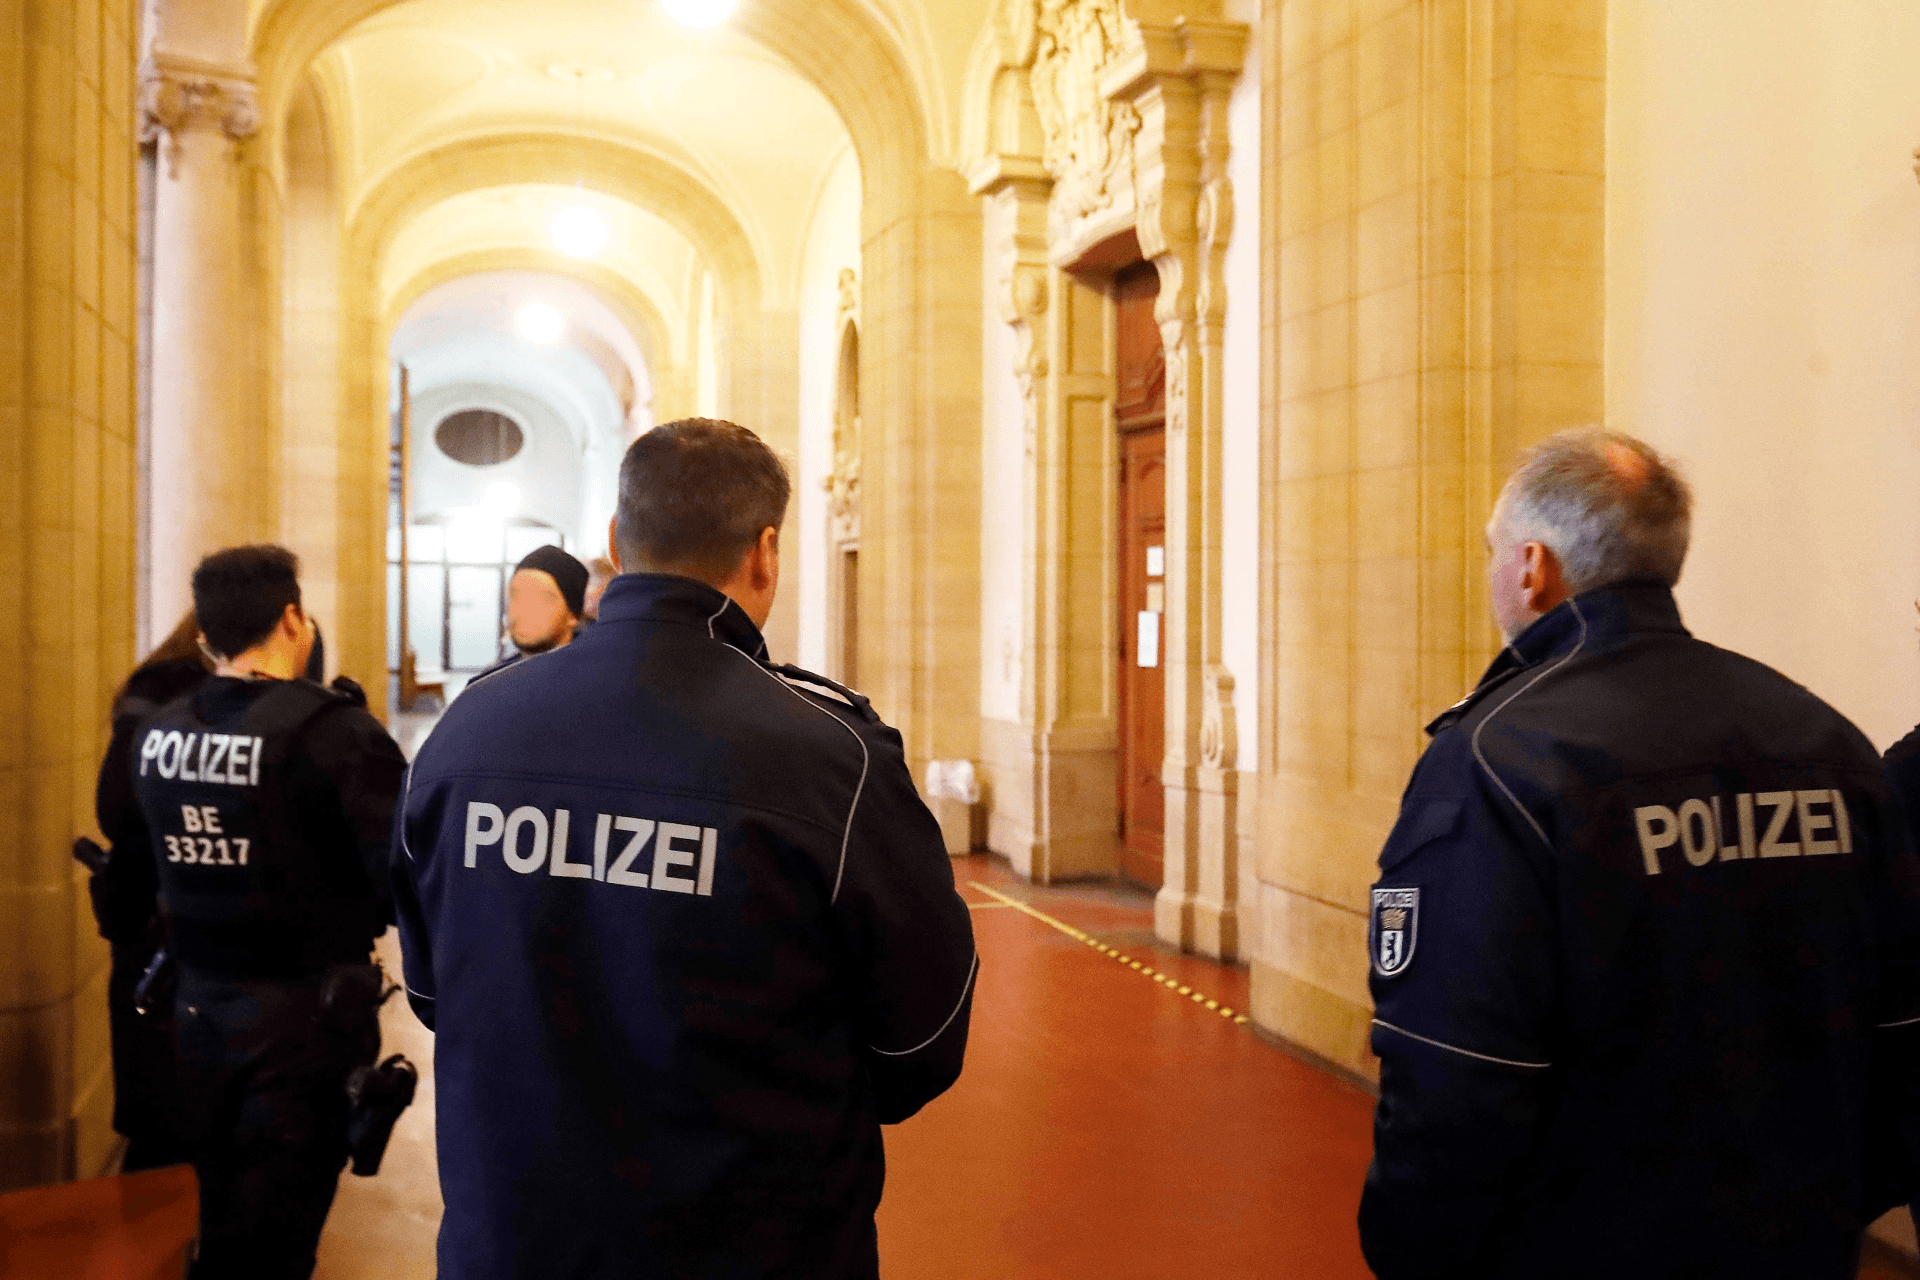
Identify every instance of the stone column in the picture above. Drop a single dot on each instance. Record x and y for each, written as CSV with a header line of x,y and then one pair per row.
x,y
67,269
210,468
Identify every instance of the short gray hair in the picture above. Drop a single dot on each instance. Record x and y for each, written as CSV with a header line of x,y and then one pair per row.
x,y
1604,516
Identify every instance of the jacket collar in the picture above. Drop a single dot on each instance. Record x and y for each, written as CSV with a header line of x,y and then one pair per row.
x,y
1591,622
663,597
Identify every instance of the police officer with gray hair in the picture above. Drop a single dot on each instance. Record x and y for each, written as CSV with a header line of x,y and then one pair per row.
x,y
1646,939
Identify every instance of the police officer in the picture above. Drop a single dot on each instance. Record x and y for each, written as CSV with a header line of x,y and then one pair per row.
x,y
685,931
268,803
1645,937
546,600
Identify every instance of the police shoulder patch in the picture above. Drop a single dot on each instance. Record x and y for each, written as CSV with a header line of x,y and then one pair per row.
x,y
1393,929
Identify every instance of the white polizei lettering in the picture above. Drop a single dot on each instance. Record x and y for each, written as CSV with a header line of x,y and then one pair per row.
x,y
666,856
150,748
213,762
602,831
557,863
485,822
1652,840
528,863
1699,827
1728,852
186,759
170,748
620,872
238,752
1811,822
709,842
253,773
1697,837
1771,845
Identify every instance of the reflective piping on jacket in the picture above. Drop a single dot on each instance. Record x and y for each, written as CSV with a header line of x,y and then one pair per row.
x,y
966,986
725,600
406,790
1481,728
1465,1053
866,760
418,995
1888,1026
821,689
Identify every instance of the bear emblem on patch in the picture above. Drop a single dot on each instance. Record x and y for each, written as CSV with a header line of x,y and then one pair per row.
x,y
1395,929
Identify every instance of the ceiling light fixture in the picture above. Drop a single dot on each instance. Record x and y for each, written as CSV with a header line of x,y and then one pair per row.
x,y
540,323
502,499
700,13
579,232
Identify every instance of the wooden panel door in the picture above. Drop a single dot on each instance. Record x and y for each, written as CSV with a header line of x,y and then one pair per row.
x,y
1140,413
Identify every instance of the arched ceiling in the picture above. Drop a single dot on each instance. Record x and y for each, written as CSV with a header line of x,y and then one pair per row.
x,y
425,76
642,248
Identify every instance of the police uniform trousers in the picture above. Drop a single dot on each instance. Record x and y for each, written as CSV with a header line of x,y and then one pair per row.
x,y
262,1079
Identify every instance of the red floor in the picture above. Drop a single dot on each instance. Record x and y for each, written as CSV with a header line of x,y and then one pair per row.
x,y
1108,1126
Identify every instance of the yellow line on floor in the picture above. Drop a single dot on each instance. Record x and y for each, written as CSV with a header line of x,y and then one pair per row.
x,y
987,906
1171,984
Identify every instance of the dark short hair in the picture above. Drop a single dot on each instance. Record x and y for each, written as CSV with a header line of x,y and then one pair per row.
x,y
240,594
695,496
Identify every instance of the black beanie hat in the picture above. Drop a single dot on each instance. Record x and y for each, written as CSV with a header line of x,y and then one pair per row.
x,y
567,573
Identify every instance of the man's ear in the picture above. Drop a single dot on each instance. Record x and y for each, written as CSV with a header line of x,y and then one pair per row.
x,y
613,543
293,620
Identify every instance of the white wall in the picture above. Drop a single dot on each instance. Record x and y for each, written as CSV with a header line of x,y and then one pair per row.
x,y
833,244
1003,470
1240,410
1763,322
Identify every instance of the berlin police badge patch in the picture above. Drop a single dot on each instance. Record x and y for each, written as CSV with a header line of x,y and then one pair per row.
x,y
1395,927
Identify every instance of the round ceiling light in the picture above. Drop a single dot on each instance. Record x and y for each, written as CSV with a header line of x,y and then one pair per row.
x,y
700,13
540,323
579,232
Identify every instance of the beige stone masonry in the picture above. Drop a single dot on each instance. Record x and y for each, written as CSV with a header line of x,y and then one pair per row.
x,y
67,332
1434,184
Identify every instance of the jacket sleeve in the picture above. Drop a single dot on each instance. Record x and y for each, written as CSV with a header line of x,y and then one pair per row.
x,y
909,934
416,947
126,893
1892,1175
1463,1003
365,767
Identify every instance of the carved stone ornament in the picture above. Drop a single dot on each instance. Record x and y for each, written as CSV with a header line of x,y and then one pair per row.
x,y
175,100
1087,140
849,296
1219,738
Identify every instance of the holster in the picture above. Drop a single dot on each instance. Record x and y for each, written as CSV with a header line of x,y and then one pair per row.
x,y
350,1000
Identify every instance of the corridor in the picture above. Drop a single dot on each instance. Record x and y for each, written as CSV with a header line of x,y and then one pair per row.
x,y
1106,1125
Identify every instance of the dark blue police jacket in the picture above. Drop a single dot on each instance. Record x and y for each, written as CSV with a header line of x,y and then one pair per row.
x,y
1645,947
687,936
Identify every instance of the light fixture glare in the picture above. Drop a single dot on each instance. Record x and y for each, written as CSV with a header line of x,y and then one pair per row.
x,y
502,498
540,323
700,13
579,232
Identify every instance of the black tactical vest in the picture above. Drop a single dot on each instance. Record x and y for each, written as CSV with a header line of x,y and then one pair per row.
x,y
254,883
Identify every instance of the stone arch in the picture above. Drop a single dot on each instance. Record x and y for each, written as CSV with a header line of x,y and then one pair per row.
x,y
641,178
837,45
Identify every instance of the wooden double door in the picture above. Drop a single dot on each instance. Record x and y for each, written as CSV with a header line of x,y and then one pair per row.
x,y
1140,417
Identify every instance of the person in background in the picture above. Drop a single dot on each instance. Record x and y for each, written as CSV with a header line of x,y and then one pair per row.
x,y
266,802
1646,940
546,598
600,572
145,1100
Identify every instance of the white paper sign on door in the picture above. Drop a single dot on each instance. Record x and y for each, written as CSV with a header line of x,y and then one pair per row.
x,y
1146,645
1156,562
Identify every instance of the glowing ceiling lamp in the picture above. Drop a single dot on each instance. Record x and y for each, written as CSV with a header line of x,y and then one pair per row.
x,y
700,13
579,232
502,499
540,323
